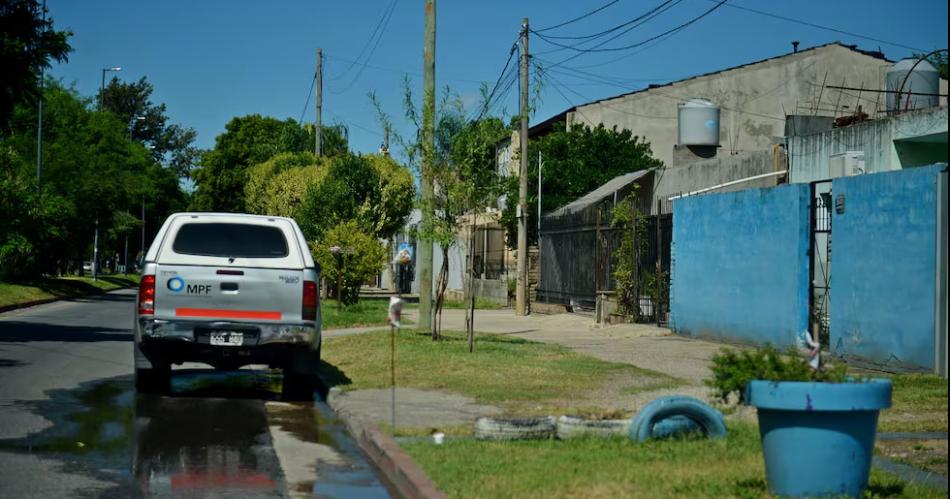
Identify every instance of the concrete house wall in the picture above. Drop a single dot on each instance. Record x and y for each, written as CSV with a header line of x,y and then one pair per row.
x,y
753,98
910,139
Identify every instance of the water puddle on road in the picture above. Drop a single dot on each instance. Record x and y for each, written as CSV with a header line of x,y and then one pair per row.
x,y
217,435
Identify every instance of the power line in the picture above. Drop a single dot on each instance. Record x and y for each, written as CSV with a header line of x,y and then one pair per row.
x,y
827,28
597,48
309,94
659,9
372,35
565,23
386,17
399,71
501,76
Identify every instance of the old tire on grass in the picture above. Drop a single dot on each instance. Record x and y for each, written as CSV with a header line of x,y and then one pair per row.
x,y
675,415
515,429
573,427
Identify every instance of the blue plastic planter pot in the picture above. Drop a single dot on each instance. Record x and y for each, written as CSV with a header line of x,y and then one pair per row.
x,y
818,438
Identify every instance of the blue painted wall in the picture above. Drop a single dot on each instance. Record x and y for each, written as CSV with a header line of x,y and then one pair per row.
x,y
883,261
740,265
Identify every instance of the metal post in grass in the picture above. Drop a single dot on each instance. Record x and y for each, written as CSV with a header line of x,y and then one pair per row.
x,y
403,258
395,316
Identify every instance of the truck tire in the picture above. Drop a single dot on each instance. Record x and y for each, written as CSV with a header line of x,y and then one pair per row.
x,y
675,415
515,429
300,376
297,386
156,380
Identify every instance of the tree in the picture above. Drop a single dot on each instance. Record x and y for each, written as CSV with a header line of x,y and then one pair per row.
x,y
248,140
463,174
91,172
260,176
396,194
170,144
576,161
358,256
374,192
28,43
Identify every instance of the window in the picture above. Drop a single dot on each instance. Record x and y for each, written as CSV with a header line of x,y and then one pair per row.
x,y
230,240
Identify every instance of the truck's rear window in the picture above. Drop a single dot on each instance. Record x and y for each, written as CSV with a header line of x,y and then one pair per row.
x,y
230,240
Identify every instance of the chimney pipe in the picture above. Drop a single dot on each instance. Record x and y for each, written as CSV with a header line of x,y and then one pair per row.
x,y
795,46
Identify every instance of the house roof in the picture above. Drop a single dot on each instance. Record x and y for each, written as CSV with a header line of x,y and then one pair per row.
x,y
599,194
545,126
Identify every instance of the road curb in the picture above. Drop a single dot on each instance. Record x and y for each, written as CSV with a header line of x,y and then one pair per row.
x,y
44,301
400,470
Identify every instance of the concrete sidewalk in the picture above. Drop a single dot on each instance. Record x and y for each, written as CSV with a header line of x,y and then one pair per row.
x,y
644,346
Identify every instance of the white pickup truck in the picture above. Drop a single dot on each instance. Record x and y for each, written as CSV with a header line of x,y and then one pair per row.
x,y
228,290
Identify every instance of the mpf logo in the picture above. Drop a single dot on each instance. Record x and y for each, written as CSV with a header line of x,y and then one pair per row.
x,y
176,284
199,289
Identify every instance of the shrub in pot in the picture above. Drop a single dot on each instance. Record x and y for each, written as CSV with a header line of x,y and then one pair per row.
x,y
817,426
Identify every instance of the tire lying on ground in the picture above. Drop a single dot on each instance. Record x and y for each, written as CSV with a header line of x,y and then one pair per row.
x,y
573,427
514,429
675,415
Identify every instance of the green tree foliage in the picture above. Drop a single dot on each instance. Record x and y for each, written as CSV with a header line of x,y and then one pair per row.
x,y
27,44
222,174
632,225
169,143
396,195
575,162
259,177
360,257
91,171
374,192
286,191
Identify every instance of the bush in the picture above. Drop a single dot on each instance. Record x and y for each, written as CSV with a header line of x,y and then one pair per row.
x,y
362,256
733,370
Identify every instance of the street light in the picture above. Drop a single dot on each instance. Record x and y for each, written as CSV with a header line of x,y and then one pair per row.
x,y
125,259
102,86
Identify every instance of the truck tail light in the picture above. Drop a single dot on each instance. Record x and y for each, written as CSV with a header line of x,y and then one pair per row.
x,y
309,312
147,295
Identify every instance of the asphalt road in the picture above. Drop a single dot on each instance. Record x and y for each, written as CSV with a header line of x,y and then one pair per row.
x,y
71,424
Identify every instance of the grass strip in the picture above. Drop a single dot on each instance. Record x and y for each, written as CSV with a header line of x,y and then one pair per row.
x,y
364,313
617,467
501,369
919,404
15,293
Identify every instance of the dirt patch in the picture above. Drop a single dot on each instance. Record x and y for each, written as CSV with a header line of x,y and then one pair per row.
x,y
930,455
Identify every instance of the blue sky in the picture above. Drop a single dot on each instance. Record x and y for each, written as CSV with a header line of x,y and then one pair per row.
x,y
211,60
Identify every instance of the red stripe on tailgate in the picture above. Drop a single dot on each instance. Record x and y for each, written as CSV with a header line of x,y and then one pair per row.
x,y
237,314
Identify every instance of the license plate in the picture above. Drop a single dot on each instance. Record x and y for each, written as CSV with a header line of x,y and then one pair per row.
x,y
227,338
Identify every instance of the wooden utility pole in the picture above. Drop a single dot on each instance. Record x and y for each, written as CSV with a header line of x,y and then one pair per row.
x,y
318,127
521,296
428,159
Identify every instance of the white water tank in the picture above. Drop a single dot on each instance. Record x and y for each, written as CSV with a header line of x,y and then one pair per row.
x,y
698,123
924,79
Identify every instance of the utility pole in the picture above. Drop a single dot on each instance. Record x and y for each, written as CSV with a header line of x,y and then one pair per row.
x,y
428,160
318,127
521,296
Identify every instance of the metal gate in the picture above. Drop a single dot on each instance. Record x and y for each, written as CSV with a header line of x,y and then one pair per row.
x,y
819,290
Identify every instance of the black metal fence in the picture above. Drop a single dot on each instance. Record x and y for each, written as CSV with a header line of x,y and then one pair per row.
x,y
578,260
